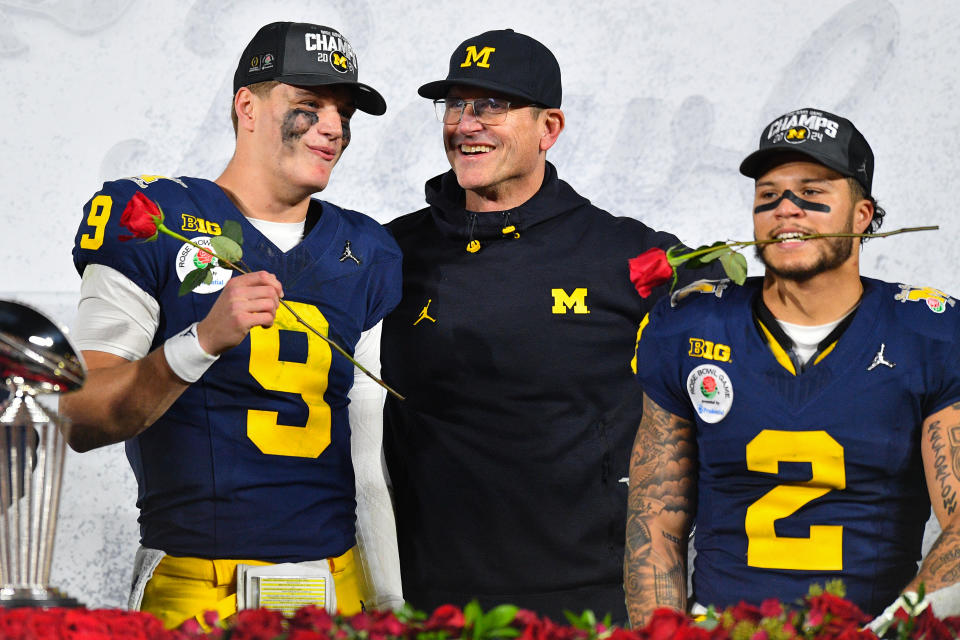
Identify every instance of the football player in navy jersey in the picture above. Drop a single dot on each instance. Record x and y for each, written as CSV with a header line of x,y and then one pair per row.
x,y
234,415
805,421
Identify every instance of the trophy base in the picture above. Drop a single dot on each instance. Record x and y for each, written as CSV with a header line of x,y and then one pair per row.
x,y
43,597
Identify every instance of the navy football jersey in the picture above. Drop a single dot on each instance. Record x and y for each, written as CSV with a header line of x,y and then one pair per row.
x,y
253,460
812,476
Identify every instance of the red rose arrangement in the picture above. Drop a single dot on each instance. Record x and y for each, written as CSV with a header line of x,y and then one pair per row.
x,y
144,219
822,615
655,266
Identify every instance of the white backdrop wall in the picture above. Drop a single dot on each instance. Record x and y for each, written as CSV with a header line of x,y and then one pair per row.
x,y
663,99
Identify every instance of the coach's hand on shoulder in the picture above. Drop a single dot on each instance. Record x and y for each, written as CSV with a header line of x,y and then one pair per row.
x,y
247,301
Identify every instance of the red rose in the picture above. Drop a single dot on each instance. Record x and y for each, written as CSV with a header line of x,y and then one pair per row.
x,y
312,618
553,631
693,633
771,608
856,633
386,624
211,618
929,627
141,217
446,617
532,631
524,618
86,625
650,269
304,634
954,623
746,611
360,622
664,623
623,634
837,612
191,627
124,624
257,624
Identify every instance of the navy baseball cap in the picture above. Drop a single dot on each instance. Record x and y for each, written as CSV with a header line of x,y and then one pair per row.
x,y
825,138
307,55
504,61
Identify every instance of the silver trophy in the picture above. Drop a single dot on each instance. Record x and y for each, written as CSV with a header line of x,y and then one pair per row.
x,y
35,357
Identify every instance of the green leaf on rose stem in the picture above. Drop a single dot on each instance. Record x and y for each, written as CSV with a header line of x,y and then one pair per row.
x,y
471,613
572,618
713,255
607,621
504,632
672,251
208,276
585,621
673,282
699,261
232,229
479,628
226,248
193,280
735,266
500,616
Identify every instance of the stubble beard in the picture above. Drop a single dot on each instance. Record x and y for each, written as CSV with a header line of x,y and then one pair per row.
x,y
834,252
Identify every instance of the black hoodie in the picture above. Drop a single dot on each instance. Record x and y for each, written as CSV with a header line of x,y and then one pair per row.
x,y
509,455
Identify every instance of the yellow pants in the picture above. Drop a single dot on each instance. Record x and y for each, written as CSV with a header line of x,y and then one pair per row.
x,y
184,588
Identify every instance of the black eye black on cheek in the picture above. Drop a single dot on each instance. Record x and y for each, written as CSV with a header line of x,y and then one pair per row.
x,y
297,122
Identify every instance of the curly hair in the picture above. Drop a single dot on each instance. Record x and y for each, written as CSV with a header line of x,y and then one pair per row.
x,y
857,192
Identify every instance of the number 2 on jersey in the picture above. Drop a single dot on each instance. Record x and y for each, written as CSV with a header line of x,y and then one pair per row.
x,y
308,379
823,549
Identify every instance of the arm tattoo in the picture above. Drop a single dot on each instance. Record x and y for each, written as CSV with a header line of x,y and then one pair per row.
x,y
941,567
660,510
672,538
944,465
670,585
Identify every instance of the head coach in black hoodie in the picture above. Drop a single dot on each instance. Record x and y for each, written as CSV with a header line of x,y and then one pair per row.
x,y
512,345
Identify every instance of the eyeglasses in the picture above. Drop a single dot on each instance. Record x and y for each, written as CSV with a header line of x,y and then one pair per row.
x,y
485,110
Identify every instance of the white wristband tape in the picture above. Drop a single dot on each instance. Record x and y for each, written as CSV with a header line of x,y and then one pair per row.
x,y
185,355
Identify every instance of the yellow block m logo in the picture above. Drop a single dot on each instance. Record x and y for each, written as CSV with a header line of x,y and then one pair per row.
x,y
576,301
797,134
482,59
339,61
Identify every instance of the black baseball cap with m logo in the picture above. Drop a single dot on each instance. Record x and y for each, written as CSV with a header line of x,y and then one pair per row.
x,y
504,61
826,138
308,55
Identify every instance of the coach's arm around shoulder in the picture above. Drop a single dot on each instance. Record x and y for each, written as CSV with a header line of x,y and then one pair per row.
x,y
660,512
